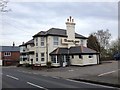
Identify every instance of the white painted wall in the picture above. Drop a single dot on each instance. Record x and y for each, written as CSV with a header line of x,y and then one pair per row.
x,y
0,62
40,49
89,61
76,60
49,41
84,61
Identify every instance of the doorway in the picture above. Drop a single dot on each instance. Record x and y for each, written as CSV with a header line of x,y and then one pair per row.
x,y
64,64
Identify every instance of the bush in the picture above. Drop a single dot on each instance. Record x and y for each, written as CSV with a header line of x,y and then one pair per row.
x,y
27,65
18,65
49,64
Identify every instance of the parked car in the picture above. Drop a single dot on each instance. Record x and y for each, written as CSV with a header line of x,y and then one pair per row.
x,y
117,56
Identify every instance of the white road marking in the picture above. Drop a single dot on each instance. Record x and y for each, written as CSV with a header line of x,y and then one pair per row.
x,y
108,72
70,70
90,83
24,71
36,85
12,77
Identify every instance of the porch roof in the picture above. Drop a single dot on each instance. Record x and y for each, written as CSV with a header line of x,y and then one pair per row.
x,y
59,51
81,50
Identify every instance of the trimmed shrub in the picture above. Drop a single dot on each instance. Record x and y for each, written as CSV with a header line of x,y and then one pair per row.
x,y
18,65
49,64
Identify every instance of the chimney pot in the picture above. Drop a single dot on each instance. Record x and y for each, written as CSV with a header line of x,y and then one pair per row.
x,y
70,18
23,43
13,44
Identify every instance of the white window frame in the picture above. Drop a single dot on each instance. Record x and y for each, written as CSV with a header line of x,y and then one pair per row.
x,y
55,40
36,40
7,53
42,57
64,59
36,57
42,40
56,60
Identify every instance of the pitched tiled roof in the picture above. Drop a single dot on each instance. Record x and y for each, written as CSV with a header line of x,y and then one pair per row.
x,y
81,49
28,42
74,50
9,48
57,32
59,51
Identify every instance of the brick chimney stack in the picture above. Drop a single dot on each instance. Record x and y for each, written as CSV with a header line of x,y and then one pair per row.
x,y
70,26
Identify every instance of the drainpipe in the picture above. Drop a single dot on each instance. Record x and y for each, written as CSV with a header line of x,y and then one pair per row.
x,y
46,49
68,57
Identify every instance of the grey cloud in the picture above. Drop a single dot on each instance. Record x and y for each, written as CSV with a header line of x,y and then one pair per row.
x,y
32,16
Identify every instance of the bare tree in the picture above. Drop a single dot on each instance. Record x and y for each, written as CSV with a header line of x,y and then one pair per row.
x,y
114,47
3,6
103,38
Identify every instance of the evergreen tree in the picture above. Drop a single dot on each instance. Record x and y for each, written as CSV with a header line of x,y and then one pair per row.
x,y
93,43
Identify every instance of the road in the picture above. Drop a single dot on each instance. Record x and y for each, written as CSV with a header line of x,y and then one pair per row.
x,y
12,78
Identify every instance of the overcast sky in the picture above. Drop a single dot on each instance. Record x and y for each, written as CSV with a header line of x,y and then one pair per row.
x,y
29,18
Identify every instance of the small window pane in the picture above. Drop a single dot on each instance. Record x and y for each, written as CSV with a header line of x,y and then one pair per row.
x,y
36,54
36,41
42,54
72,56
80,56
53,59
55,40
42,59
36,59
7,53
42,41
90,56
42,38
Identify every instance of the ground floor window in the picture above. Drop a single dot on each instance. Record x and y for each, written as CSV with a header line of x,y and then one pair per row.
x,y
36,56
31,60
54,59
80,56
72,56
90,56
42,56
7,53
24,59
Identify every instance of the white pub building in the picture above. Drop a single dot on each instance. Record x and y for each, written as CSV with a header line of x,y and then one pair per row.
x,y
60,47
